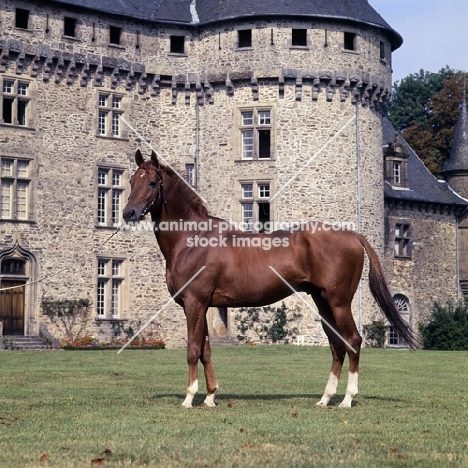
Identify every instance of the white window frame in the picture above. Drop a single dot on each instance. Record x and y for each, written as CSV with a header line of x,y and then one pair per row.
x,y
253,193
110,187
110,287
110,111
252,122
18,92
16,205
403,307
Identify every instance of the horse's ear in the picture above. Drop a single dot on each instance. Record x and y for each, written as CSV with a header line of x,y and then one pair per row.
x,y
139,158
154,158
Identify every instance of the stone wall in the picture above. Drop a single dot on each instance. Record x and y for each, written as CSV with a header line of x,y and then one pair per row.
x,y
185,105
430,274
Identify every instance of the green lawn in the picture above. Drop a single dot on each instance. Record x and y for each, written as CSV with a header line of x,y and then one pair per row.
x,y
92,408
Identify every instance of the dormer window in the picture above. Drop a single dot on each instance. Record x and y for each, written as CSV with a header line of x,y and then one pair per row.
x,y
396,164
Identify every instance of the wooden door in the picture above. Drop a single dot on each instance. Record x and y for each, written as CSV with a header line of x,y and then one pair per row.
x,y
12,308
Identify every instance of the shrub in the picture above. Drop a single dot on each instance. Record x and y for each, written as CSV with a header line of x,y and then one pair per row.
x,y
269,324
70,314
447,328
375,333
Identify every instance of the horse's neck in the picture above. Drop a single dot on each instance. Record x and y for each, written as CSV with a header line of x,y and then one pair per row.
x,y
171,223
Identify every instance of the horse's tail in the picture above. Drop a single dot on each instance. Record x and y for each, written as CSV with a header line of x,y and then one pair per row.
x,y
383,297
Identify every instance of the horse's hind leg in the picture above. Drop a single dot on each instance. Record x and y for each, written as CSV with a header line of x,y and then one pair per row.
x,y
338,354
342,334
350,342
211,382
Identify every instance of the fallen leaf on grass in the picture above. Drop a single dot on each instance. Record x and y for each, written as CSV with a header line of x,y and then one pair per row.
x,y
241,429
247,445
230,404
107,451
402,457
294,414
98,461
44,457
393,449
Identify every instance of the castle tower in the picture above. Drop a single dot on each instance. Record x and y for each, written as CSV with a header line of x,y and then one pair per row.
x,y
456,168
456,174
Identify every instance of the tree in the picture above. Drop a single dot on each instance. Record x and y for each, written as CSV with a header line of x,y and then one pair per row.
x,y
429,126
412,94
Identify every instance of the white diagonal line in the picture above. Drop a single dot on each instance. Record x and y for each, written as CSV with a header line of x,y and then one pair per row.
x,y
167,163
308,305
161,309
312,158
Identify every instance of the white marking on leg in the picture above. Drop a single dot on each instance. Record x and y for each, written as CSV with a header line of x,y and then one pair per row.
x,y
330,390
191,392
210,398
351,390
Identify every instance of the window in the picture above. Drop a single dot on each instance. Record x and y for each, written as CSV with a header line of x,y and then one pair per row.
x,y
255,207
15,102
110,277
110,111
396,172
115,35
349,41
15,196
190,174
299,37
109,196
13,266
22,18
382,50
69,26
244,38
402,305
177,44
256,128
402,240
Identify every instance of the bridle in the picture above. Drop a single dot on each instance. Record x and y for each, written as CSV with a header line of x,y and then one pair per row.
x,y
159,194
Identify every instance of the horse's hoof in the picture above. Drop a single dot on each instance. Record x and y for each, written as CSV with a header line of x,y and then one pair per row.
x,y
209,402
321,404
186,406
344,405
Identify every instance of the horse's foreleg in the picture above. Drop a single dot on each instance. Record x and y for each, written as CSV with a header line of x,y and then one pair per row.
x,y
211,382
195,333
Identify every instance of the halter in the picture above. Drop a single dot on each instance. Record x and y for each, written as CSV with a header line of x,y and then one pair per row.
x,y
159,193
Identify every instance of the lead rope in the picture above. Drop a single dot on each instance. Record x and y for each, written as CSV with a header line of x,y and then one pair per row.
x,y
67,267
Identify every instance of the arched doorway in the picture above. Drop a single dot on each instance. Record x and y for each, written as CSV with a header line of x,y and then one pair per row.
x,y
12,298
17,294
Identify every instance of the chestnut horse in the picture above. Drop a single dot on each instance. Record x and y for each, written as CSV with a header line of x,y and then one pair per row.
x,y
323,263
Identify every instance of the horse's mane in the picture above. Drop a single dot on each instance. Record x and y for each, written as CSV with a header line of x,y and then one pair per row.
x,y
190,196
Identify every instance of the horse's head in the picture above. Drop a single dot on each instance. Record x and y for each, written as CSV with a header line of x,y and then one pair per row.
x,y
146,188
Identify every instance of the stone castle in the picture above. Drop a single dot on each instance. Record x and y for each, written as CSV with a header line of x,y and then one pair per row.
x,y
252,102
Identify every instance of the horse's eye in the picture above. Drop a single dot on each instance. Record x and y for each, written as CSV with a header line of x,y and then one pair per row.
x,y
153,183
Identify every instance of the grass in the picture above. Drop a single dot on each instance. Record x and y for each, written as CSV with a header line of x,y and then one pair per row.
x,y
97,408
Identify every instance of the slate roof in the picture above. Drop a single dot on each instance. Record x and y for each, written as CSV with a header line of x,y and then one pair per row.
x,y
208,11
423,186
458,160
